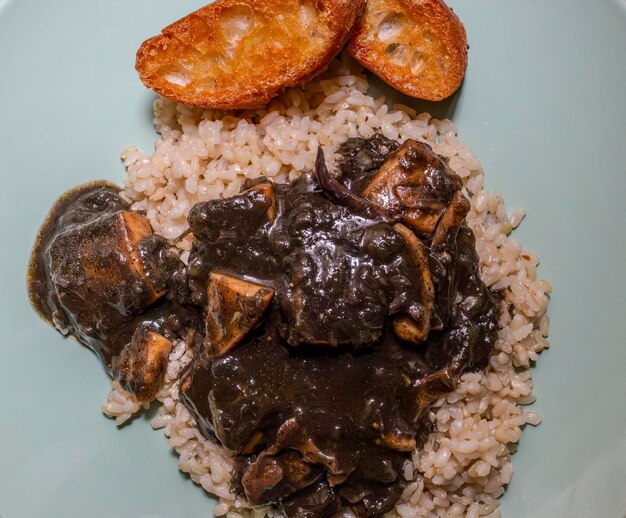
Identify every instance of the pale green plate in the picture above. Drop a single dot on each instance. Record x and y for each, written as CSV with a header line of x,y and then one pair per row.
x,y
543,106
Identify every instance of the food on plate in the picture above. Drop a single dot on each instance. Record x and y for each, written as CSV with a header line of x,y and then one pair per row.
x,y
240,53
321,329
324,330
99,274
324,401
417,46
463,464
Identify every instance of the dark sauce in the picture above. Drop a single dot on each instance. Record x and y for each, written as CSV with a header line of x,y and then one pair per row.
x,y
324,398
99,274
337,275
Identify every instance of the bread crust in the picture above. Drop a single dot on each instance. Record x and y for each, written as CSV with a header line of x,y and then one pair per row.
x,y
417,46
237,54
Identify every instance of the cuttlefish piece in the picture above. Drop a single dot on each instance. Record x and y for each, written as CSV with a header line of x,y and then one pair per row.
x,y
397,439
414,184
141,365
415,328
292,435
266,189
451,220
101,259
125,229
428,390
274,476
235,307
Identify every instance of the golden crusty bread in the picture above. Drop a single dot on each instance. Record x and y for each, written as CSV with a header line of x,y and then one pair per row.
x,y
417,46
240,53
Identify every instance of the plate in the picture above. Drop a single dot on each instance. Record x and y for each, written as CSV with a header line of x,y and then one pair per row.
x,y
543,106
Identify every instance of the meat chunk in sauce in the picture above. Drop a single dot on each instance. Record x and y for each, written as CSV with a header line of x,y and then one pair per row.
x,y
140,367
99,274
416,185
234,307
324,316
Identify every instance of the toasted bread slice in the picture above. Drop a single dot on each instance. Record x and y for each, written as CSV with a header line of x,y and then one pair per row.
x,y
240,53
417,46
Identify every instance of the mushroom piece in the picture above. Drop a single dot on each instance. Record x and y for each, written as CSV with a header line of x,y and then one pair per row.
x,y
426,391
414,328
415,184
448,226
397,440
266,189
272,477
292,435
443,254
141,365
235,307
315,500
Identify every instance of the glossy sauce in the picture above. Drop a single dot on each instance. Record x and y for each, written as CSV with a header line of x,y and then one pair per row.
x,y
83,280
325,395
321,402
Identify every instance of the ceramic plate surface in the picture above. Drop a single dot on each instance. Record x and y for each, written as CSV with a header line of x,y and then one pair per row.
x,y
543,106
